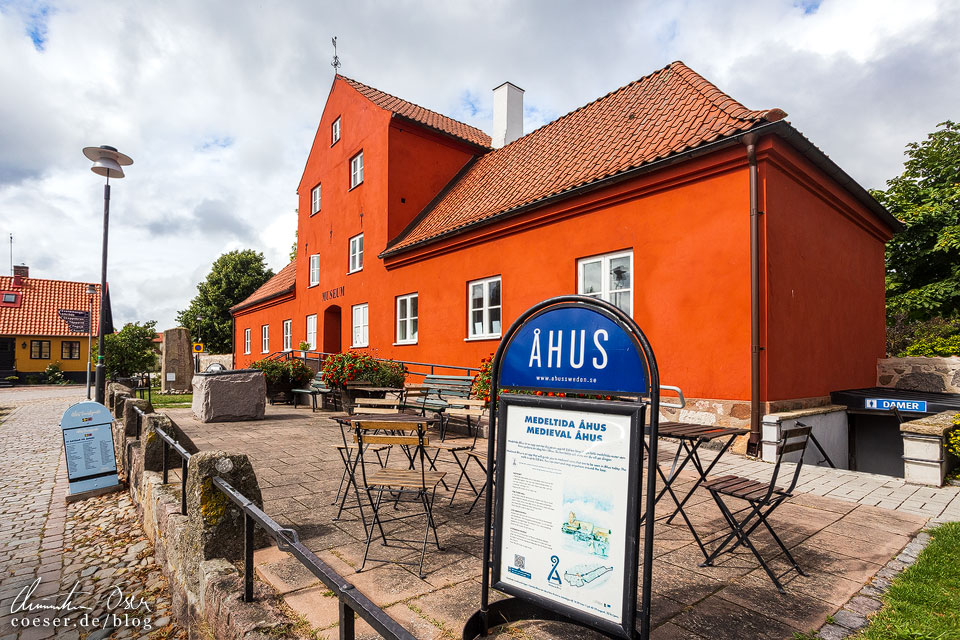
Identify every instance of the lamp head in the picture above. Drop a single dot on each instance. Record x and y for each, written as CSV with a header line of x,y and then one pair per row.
x,y
107,161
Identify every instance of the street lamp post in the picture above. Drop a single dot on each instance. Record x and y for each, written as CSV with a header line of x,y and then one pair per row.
x,y
197,356
91,291
107,162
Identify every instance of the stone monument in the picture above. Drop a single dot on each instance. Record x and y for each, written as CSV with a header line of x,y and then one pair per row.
x,y
176,370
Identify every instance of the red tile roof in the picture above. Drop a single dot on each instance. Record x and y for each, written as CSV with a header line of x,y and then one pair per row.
x,y
667,112
283,282
417,113
36,314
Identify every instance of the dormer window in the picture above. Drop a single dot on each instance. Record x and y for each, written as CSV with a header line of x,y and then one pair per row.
x,y
335,132
10,299
315,200
356,170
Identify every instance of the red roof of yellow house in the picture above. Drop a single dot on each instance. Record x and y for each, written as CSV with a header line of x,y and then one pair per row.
x,y
35,312
419,114
283,282
667,112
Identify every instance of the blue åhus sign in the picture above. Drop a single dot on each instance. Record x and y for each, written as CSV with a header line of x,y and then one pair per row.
x,y
88,446
574,348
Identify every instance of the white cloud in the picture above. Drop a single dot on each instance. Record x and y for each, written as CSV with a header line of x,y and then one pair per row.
x,y
217,102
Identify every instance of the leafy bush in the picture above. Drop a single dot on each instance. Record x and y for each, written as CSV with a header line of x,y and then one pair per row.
x,y
130,350
952,444
933,337
282,373
304,346
341,368
935,347
53,374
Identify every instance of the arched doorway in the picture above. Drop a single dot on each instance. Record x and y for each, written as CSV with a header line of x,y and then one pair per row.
x,y
331,329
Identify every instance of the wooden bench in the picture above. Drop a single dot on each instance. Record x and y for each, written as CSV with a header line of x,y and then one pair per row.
x,y
317,388
436,393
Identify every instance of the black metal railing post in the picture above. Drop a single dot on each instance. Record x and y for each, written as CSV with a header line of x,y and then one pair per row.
x,y
347,620
166,478
248,527
183,486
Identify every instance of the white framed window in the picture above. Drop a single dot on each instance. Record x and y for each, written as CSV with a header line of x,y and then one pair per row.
x,y
356,253
315,200
287,335
246,340
312,331
335,132
314,269
265,338
407,312
483,314
608,277
356,170
361,338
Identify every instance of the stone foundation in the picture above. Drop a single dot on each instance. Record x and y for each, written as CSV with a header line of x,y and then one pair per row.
x,y
920,374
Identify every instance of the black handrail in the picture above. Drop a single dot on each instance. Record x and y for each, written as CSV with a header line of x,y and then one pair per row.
x,y
350,599
168,443
320,356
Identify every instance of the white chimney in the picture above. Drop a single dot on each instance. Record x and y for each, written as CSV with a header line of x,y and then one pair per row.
x,y
507,114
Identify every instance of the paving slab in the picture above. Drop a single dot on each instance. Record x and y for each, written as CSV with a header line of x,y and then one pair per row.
x,y
841,543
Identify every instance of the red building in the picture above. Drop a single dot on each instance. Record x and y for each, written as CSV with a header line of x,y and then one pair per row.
x,y
751,260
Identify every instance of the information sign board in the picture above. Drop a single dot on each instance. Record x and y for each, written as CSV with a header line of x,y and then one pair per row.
x,y
564,499
88,447
77,321
567,511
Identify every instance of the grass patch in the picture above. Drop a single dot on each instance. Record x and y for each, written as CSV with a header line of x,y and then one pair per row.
x,y
171,401
923,603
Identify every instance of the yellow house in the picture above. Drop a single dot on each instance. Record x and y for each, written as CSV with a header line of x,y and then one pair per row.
x,y
44,322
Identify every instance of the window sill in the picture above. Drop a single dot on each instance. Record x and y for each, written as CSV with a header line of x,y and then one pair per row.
x,y
359,346
404,344
311,286
355,271
481,338
359,184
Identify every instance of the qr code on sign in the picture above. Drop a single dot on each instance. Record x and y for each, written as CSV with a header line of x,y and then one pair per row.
x,y
519,561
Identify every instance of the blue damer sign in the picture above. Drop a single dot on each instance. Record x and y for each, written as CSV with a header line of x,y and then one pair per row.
x,y
579,349
887,404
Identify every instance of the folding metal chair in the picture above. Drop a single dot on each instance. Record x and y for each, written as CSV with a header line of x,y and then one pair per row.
x,y
461,449
761,500
420,483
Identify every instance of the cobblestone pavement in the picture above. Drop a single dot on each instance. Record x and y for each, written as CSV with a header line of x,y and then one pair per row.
x,y
87,547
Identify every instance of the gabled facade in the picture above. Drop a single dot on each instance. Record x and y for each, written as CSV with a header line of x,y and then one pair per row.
x,y
643,197
34,333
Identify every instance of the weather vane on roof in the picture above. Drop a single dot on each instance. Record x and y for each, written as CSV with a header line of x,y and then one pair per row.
x,y
336,59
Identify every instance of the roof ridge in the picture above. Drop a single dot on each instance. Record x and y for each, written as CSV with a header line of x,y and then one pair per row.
x,y
712,92
584,106
352,82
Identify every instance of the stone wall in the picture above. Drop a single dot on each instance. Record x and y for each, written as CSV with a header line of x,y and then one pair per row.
x,y
920,374
197,552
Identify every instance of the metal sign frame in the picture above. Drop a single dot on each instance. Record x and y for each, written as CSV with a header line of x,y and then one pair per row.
x,y
94,418
524,605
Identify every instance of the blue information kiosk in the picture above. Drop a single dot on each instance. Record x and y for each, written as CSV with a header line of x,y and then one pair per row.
x,y
578,392
88,446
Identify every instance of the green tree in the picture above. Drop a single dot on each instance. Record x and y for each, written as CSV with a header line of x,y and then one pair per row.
x,y
232,278
130,350
923,260
293,249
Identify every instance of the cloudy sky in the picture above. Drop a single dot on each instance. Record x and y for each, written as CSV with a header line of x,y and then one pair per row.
x,y
217,102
